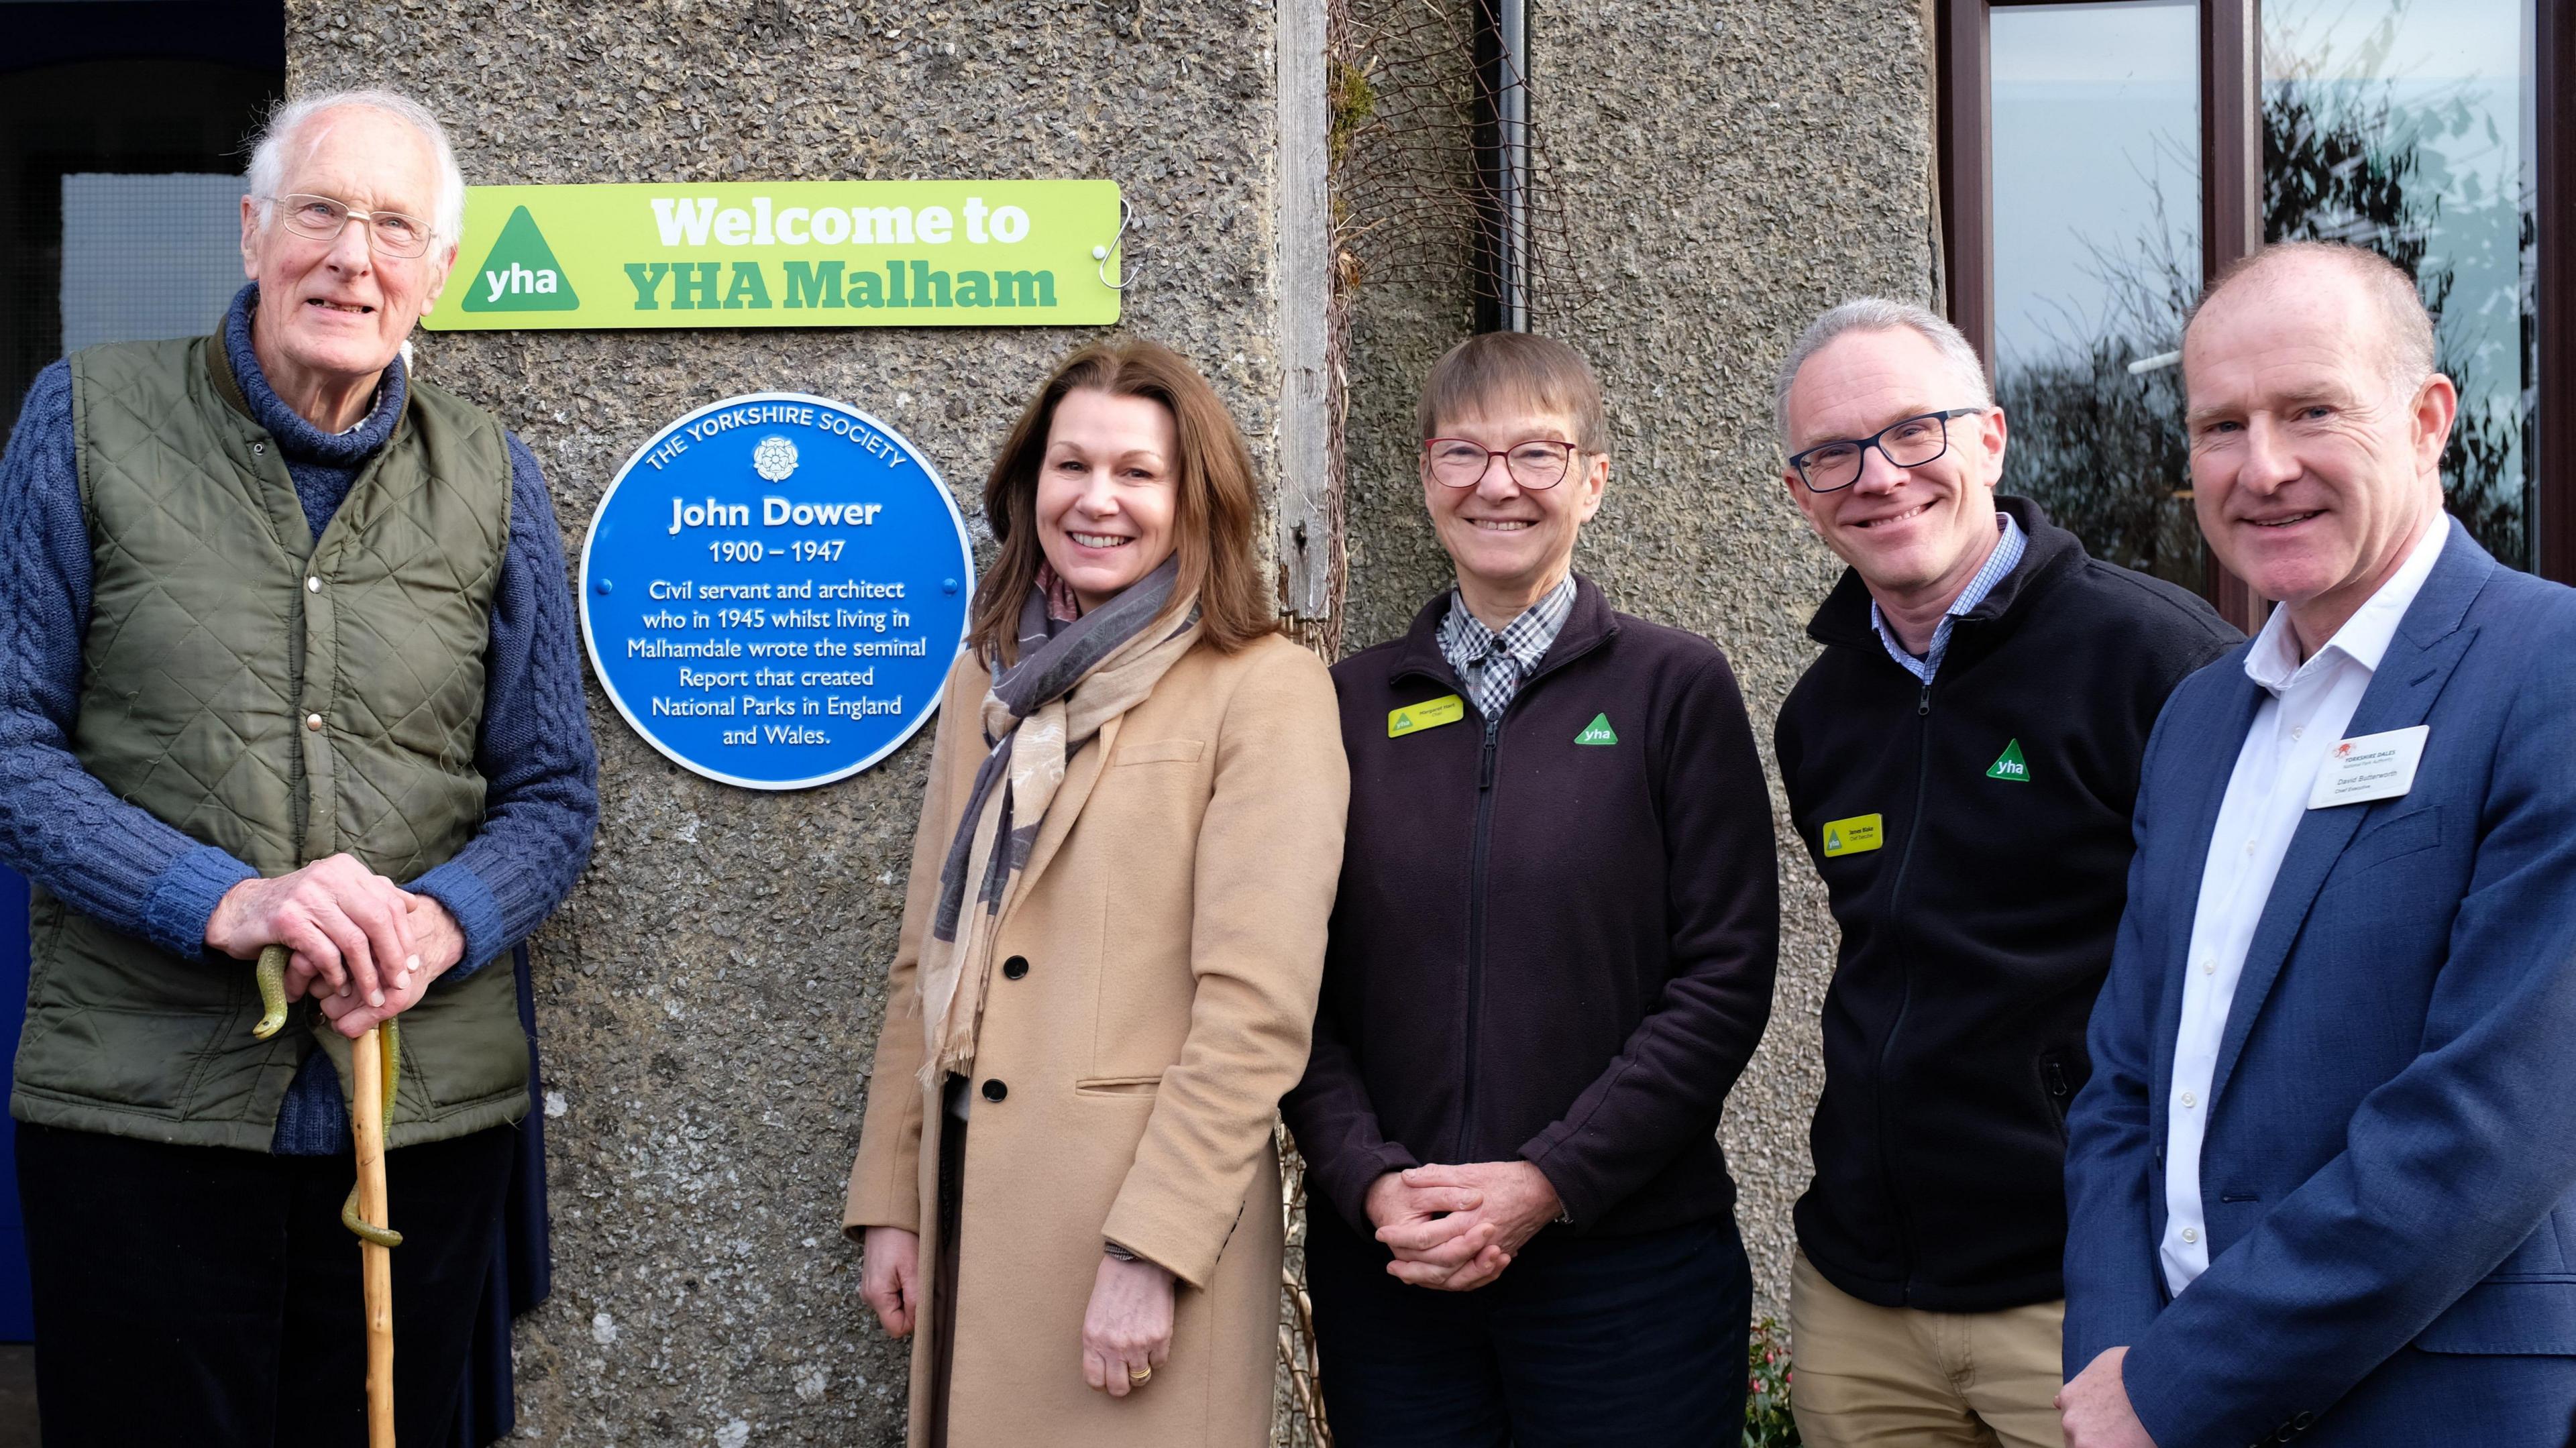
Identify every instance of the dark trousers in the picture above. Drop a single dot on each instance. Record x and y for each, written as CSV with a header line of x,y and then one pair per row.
x,y
1622,1342
943,1272
210,1297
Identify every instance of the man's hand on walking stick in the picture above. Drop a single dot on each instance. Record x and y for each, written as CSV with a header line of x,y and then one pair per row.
x,y
349,928
439,945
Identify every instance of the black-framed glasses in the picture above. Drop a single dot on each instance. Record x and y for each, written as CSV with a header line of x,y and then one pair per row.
x,y
1908,443
321,218
1537,464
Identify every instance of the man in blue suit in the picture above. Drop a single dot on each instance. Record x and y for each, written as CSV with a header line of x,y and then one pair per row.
x,y
2322,1184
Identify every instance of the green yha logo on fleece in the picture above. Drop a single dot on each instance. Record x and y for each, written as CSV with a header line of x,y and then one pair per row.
x,y
1598,732
2009,765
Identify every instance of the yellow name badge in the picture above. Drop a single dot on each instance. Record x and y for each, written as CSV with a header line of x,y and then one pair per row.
x,y
1429,714
1855,836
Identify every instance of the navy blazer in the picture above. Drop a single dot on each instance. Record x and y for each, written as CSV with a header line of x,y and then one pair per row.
x,y
2389,1172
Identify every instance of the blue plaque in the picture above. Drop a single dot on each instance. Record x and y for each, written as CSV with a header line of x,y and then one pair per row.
x,y
773,590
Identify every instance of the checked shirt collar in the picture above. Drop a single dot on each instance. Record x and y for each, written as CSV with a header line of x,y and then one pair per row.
x,y
1493,665
1999,565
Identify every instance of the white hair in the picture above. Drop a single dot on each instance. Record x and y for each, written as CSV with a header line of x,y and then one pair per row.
x,y
268,153
1880,314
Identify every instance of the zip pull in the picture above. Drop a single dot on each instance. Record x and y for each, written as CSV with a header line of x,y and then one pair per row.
x,y
1485,763
1923,705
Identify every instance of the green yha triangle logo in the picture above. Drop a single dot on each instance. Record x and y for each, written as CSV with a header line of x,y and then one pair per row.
x,y
1833,841
2009,765
1598,732
521,274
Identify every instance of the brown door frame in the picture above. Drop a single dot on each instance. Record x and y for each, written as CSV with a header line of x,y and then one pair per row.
x,y
1965,136
2231,202
2553,543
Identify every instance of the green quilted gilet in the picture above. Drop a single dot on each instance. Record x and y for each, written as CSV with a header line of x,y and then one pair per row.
x,y
284,699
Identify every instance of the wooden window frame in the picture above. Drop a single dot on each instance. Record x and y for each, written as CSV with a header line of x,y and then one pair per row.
x,y
2231,214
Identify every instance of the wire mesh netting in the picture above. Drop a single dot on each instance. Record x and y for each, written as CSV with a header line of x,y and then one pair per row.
x,y
1418,157
1300,1421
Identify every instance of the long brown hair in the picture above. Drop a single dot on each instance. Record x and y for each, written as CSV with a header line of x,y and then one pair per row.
x,y
1212,517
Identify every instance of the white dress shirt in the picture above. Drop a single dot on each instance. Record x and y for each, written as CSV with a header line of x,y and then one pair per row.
x,y
2303,715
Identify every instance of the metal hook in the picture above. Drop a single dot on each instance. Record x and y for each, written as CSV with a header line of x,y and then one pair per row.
x,y
1101,254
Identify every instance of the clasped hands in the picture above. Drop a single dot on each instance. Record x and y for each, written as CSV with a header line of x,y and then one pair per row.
x,y
363,946
1456,1228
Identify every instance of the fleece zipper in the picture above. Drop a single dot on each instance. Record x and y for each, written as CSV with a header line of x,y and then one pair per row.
x,y
1905,982
1479,855
1905,968
1479,849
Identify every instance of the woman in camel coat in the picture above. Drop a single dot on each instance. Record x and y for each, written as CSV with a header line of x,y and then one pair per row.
x,y
1076,1212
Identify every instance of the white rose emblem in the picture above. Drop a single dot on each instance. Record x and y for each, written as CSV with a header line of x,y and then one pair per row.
x,y
774,458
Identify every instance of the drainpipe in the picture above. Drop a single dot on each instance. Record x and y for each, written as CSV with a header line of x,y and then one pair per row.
x,y
1503,144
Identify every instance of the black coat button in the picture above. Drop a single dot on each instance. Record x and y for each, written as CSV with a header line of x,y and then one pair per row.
x,y
1015,967
995,1090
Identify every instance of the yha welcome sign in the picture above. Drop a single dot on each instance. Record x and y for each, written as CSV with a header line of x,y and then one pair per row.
x,y
784,254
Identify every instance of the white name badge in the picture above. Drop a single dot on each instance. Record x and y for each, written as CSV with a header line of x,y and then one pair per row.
x,y
2372,766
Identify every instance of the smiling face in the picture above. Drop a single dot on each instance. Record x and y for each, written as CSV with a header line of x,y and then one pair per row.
x,y
1915,535
1108,492
333,314
1512,544
2314,470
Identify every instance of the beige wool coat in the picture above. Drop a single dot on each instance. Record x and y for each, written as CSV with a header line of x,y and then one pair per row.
x,y
1172,920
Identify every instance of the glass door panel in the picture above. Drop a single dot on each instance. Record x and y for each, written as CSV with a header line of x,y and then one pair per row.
x,y
2407,126
2095,144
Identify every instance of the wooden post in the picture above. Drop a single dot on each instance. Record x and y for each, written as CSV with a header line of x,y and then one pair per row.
x,y
368,1119
1308,540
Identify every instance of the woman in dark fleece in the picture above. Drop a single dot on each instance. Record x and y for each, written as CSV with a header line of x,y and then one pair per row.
x,y
1551,955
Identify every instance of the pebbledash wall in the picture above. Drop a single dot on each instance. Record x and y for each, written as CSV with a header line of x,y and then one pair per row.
x,y
709,995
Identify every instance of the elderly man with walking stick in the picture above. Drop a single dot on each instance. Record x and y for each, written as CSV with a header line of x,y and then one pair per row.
x,y
292,666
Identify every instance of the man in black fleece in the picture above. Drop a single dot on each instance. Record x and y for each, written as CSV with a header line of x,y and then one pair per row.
x,y
1960,761
1551,955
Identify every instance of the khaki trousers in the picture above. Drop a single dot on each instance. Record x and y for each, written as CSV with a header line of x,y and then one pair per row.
x,y
1898,1377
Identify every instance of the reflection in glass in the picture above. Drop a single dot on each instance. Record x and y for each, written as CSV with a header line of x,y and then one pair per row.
x,y
2407,127
2096,139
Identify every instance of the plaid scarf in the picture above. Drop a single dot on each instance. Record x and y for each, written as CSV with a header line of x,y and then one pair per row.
x,y
1038,714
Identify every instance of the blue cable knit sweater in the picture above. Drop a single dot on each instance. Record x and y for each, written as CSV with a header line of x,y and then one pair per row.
x,y
111,860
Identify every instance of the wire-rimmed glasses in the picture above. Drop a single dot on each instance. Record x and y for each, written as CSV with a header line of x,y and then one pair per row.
x,y
1536,464
1907,443
321,218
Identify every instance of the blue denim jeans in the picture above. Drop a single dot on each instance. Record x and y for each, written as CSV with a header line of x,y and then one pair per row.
x,y
1616,1342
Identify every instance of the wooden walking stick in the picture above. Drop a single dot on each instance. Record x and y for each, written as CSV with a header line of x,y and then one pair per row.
x,y
371,1097
375,1061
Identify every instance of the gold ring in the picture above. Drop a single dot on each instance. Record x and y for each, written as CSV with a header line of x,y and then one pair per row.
x,y
1136,1377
